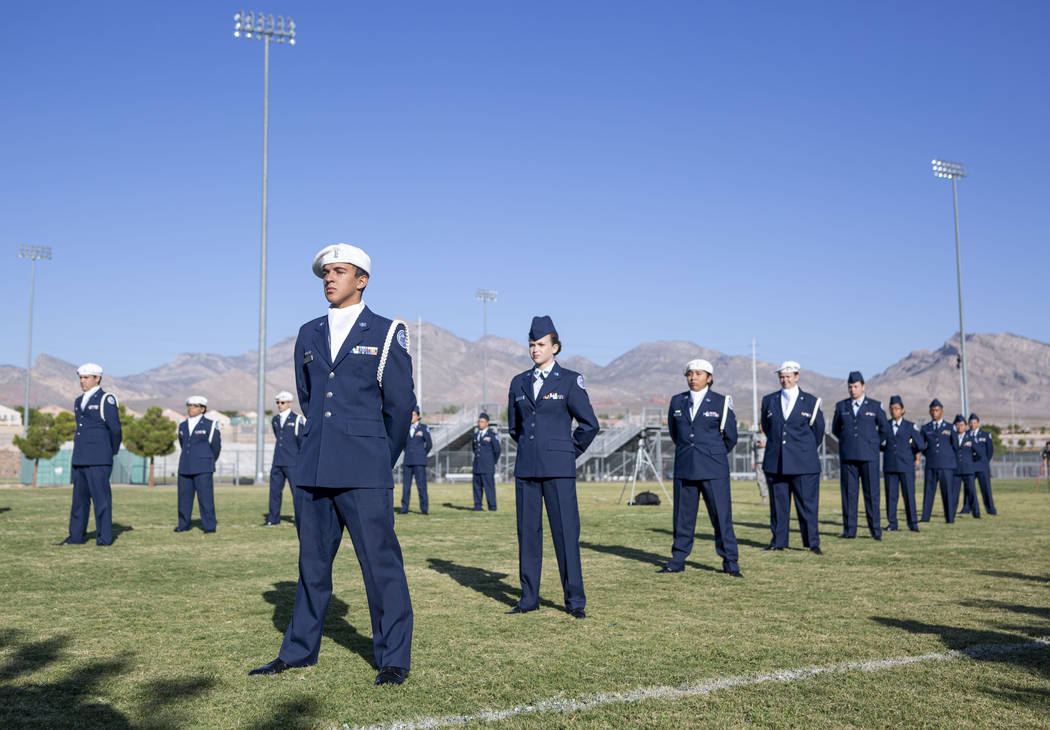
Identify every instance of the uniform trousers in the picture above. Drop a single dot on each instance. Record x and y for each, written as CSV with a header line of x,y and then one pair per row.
x,y
278,476
867,473
368,515
904,482
91,485
202,486
806,490
965,482
715,492
984,479
949,497
563,515
420,473
486,483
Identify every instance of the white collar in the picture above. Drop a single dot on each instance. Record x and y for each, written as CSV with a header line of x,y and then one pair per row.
x,y
858,403
87,395
192,421
546,371
697,396
283,415
345,315
898,421
791,392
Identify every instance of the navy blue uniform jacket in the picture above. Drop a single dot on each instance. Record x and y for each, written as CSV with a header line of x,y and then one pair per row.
x,y
940,445
417,447
985,447
547,444
289,439
898,452
201,448
967,456
792,446
355,430
859,436
486,451
702,445
98,434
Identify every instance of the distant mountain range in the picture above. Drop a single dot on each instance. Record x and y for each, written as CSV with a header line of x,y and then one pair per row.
x,y
1009,376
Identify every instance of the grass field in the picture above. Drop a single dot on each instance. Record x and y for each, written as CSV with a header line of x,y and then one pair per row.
x,y
159,629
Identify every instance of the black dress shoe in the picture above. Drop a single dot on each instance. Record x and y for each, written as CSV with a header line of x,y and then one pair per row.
x,y
891,529
70,541
876,537
772,547
913,528
816,551
477,509
519,609
391,675
734,573
669,569
181,529
844,536
577,613
425,513
277,666
208,532
402,511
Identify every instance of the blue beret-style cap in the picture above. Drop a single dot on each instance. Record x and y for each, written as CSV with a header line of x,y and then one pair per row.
x,y
483,415
973,417
541,327
896,399
855,377
415,409
935,404
959,418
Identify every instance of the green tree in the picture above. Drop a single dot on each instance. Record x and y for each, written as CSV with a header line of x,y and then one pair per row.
x,y
45,436
150,436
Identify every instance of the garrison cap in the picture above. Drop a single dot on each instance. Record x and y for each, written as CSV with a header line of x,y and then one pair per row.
x,y
935,404
973,417
415,409
541,327
197,400
788,366
896,399
699,364
284,395
855,377
959,418
341,253
90,368
483,415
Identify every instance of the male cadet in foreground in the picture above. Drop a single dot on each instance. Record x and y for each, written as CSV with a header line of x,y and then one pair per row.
x,y
288,430
96,442
986,448
703,429
860,426
794,427
415,464
542,403
966,459
486,454
201,443
354,378
900,457
939,450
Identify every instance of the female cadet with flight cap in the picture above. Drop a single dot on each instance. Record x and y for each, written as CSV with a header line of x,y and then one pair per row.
x,y
201,444
542,403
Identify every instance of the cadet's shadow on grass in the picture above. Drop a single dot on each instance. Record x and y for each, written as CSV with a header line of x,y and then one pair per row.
x,y
1042,612
284,518
459,507
74,699
642,556
294,713
1011,574
795,529
118,530
4,509
710,538
336,627
486,582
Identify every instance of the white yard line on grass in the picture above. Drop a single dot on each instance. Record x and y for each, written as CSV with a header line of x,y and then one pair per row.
x,y
703,687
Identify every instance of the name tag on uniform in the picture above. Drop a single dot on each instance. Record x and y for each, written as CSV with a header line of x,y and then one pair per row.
x,y
362,350
520,397
678,412
554,396
308,357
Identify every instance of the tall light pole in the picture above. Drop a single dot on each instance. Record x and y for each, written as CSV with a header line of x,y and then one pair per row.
x,y
267,29
953,171
485,296
34,254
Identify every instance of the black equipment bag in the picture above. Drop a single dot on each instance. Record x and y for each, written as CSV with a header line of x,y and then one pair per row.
x,y
646,498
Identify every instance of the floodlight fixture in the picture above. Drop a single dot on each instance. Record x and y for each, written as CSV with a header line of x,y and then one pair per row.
x,y
948,169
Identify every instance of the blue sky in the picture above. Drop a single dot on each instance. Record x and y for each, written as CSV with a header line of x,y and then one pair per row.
x,y
710,171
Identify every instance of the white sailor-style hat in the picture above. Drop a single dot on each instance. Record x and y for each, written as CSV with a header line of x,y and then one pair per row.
x,y
90,368
788,366
197,400
699,364
342,253
284,395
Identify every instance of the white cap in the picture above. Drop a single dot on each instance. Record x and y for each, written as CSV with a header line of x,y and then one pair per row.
x,y
700,364
197,400
788,366
284,395
342,253
90,368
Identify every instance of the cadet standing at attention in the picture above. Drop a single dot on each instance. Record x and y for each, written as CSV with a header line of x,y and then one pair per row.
x,y
201,443
966,459
542,403
986,448
794,427
860,426
486,454
96,442
415,465
940,464
899,459
288,430
703,429
353,374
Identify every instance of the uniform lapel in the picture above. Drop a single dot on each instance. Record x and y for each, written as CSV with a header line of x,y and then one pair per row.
x,y
357,333
321,346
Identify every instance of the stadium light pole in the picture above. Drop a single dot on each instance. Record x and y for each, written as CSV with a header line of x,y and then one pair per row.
x,y
485,296
953,171
34,254
267,29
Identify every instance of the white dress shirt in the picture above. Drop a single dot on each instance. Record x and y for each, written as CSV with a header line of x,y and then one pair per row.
x,y
538,376
696,397
896,425
283,415
191,423
340,322
857,404
87,396
788,396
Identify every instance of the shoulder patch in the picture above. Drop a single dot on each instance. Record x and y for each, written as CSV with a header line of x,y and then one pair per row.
x,y
402,339
110,399
579,382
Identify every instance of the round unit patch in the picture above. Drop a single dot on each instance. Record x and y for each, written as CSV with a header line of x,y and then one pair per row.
x,y
579,382
111,399
402,339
